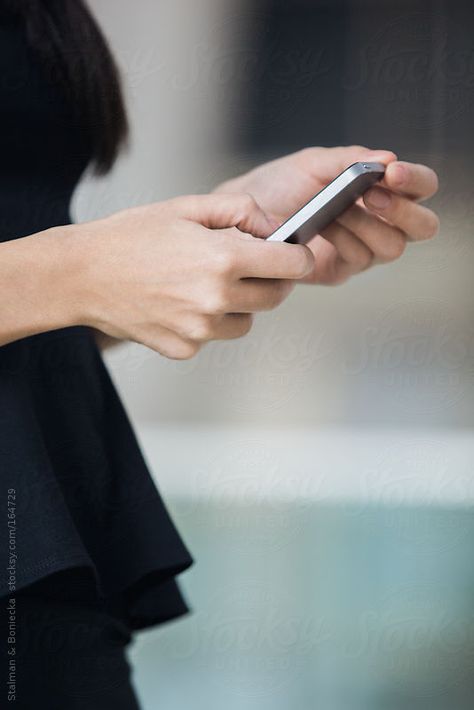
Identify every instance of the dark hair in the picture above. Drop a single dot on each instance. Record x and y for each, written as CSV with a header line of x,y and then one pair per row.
x,y
71,44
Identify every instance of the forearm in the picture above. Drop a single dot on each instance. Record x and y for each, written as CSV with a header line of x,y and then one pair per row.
x,y
39,284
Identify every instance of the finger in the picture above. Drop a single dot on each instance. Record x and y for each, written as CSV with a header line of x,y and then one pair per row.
x,y
201,329
351,251
254,295
168,343
326,163
272,260
385,241
221,211
411,179
233,325
418,222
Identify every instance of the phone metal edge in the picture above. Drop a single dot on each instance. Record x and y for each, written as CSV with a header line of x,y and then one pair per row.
x,y
324,196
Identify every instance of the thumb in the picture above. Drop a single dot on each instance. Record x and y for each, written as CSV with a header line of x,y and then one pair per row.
x,y
221,211
346,155
326,163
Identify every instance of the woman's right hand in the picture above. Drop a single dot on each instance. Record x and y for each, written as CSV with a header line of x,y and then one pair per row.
x,y
172,275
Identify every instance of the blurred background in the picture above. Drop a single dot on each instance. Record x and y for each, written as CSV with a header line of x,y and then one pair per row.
x,y
321,469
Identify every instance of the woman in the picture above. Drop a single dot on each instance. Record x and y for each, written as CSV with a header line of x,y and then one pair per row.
x,y
90,553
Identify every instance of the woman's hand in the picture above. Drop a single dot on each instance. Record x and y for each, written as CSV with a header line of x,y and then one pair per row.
x,y
173,275
374,231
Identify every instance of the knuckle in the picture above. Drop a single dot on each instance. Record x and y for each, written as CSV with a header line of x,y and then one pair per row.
x,y
361,258
279,293
348,153
432,225
307,156
245,324
247,202
303,262
309,152
394,248
224,260
174,204
184,351
201,329
215,302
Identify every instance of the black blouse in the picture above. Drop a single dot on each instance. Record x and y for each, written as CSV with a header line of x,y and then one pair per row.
x,y
83,497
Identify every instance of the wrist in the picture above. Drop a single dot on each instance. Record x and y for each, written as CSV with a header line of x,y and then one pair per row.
x,y
59,276
41,283
71,297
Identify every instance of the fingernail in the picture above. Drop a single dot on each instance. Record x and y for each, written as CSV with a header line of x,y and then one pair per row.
x,y
399,173
378,198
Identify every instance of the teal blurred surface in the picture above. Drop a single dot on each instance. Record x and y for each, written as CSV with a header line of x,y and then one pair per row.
x,y
303,606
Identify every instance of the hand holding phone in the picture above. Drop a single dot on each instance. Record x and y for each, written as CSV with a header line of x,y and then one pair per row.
x,y
329,203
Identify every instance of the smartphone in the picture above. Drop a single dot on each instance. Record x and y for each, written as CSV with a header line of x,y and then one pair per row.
x,y
329,203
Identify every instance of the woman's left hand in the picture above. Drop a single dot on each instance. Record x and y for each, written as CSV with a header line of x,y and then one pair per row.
x,y
373,231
